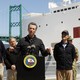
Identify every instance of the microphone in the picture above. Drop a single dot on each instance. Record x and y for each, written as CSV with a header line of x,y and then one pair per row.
x,y
28,49
33,48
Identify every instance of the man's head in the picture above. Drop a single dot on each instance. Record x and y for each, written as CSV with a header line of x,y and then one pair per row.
x,y
65,35
12,42
32,27
70,39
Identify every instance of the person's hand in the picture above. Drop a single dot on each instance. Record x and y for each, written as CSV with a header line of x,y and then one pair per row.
x,y
13,67
77,58
11,49
48,50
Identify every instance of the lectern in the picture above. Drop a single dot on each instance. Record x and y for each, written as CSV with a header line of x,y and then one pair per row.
x,y
35,73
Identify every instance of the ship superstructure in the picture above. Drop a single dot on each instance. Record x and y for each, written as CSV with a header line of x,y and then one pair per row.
x,y
50,25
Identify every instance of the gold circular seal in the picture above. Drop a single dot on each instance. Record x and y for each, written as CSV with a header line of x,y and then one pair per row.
x,y
30,61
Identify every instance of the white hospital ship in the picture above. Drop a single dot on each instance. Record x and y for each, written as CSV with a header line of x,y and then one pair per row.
x,y
50,26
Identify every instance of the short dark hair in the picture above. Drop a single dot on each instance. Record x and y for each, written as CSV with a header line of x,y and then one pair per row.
x,y
65,32
32,23
11,38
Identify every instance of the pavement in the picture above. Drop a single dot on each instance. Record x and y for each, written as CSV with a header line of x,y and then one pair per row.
x,y
54,78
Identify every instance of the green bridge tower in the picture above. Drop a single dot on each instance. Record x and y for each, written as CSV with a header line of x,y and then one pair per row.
x,y
12,23
12,9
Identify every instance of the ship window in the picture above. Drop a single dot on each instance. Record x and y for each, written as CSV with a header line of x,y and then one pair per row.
x,y
79,19
54,11
58,10
61,9
61,21
76,32
69,8
73,7
76,6
39,25
46,24
65,9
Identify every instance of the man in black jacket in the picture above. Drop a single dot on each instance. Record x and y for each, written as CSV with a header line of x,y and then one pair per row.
x,y
10,60
64,54
2,56
30,46
31,41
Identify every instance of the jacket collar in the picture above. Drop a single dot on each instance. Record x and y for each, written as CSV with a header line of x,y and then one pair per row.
x,y
31,38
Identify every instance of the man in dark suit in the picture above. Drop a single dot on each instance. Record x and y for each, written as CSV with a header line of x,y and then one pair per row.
x,y
32,41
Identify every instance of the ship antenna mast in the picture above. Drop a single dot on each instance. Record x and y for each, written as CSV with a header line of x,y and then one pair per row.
x,y
65,2
52,5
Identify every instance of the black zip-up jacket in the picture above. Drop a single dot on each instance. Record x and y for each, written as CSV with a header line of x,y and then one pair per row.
x,y
64,56
11,58
25,43
2,52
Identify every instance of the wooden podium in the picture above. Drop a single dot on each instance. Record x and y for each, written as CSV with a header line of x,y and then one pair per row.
x,y
36,73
